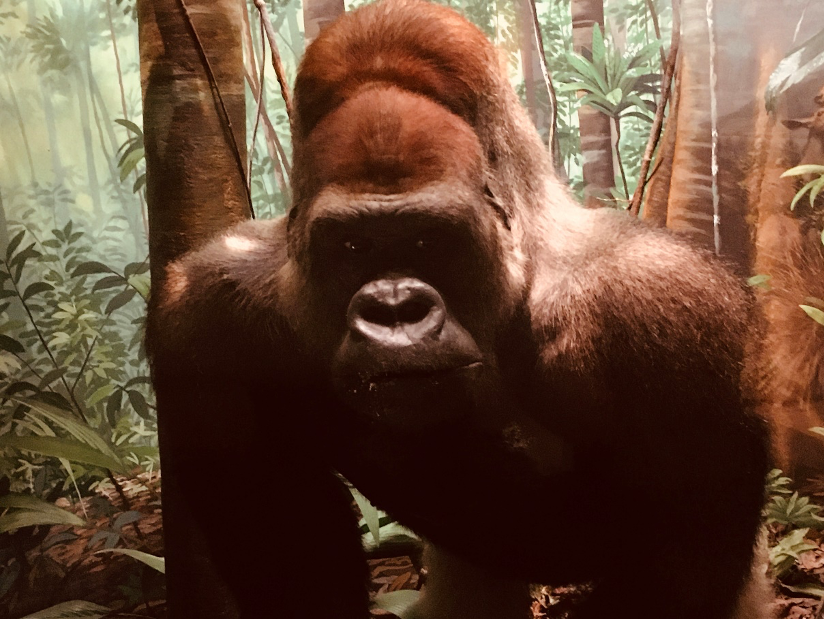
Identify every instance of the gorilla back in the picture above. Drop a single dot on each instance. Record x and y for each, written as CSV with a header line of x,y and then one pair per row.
x,y
540,390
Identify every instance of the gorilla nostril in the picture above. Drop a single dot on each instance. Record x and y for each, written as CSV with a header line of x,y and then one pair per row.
x,y
379,314
414,310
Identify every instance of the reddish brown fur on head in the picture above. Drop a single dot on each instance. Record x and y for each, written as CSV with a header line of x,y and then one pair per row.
x,y
421,47
389,141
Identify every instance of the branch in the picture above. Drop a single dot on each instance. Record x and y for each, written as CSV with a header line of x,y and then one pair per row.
x,y
276,62
654,16
554,144
658,122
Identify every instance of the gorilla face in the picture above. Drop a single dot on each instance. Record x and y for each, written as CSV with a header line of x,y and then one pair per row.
x,y
403,245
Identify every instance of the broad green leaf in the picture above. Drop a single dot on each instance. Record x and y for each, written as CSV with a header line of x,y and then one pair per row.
x,y
801,193
397,602
63,448
814,313
78,429
154,561
7,343
72,609
99,394
761,280
803,169
47,514
37,287
141,284
795,68
615,96
809,589
130,161
587,71
120,300
139,183
14,243
108,282
129,125
131,148
370,515
91,267
599,49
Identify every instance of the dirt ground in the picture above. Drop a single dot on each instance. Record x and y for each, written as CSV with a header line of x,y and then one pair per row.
x,y
64,563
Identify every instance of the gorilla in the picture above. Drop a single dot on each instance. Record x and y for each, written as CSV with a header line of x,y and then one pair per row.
x,y
545,393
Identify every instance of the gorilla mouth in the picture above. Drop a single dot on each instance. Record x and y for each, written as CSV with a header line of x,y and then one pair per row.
x,y
432,374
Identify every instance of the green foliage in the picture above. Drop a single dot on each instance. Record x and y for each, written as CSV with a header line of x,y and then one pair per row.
x,y
132,153
73,378
800,64
761,280
26,510
614,82
73,609
793,511
777,483
788,549
398,602
153,561
812,188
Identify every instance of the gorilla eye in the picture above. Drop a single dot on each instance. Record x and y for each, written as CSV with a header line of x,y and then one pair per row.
x,y
424,244
357,246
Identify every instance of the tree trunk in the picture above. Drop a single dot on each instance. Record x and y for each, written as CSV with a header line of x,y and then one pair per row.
x,y
194,185
48,111
530,63
753,149
85,125
595,127
656,197
195,166
317,14
18,115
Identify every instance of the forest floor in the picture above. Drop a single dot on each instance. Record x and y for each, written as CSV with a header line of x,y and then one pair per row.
x,y
66,564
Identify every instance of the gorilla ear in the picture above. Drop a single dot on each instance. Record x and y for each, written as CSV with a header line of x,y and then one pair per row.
x,y
493,201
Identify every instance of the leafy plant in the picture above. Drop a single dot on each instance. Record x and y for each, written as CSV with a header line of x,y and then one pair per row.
x,y
614,84
132,152
812,188
800,64
794,511
788,549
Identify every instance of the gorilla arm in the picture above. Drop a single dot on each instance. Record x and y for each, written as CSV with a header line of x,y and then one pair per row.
x,y
645,339
249,471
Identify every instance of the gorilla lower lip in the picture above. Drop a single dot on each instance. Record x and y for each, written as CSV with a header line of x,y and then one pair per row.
x,y
433,374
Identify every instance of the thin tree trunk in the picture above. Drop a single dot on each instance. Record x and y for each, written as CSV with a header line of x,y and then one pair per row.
x,y
595,127
18,114
530,64
48,111
253,80
657,192
317,14
296,42
85,125
194,121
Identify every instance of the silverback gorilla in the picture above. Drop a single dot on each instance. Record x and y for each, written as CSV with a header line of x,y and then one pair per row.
x,y
546,393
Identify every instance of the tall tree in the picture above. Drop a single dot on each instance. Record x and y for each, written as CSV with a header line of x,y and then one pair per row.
x,y
194,126
720,167
595,127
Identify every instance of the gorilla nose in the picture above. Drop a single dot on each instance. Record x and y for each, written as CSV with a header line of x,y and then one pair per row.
x,y
396,312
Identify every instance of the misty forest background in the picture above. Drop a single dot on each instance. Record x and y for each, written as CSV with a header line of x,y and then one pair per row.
x,y
80,523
